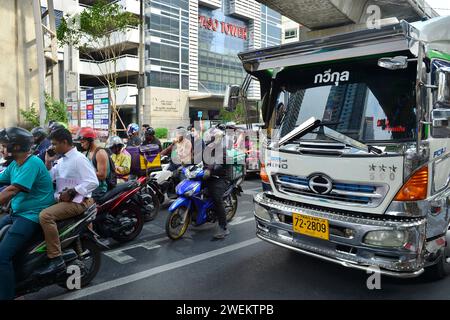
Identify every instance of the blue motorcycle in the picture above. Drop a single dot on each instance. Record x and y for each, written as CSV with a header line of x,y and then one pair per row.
x,y
193,204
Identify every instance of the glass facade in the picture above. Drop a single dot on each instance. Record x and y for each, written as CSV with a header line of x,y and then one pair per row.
x,y
221,38
167,43
270,27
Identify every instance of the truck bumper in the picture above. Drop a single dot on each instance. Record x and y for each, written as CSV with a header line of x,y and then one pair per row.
x,y
346,244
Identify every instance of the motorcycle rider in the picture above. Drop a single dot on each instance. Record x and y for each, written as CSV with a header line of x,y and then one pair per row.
x,y
215,176
41,142
180,150
151,139
98,157
30,190
120,157
133,135
75,180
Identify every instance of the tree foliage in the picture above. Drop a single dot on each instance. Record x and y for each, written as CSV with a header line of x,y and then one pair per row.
x,y
56,111
98,33
238,116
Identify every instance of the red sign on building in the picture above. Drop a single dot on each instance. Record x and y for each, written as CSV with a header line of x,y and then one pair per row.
x,y
227,28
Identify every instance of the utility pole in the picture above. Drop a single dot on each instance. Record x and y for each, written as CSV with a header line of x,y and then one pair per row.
x,y
141,78
40,60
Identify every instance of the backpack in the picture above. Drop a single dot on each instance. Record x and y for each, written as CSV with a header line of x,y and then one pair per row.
x,y
111,179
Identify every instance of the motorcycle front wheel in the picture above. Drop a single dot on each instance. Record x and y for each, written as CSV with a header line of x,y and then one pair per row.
x,y
177,223
231,203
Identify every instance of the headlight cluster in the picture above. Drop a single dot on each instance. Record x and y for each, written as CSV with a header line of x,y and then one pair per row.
x,y
262,213
386,238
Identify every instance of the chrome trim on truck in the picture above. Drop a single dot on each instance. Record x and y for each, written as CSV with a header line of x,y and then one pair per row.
x,y
346,244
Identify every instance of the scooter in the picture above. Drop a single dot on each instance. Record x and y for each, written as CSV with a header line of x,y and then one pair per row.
x,y
119,212
81,251
165,180
194,206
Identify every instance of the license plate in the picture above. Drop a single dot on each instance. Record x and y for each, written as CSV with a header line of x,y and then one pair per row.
x,y
310,226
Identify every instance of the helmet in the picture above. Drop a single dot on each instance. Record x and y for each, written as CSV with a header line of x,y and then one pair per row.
x,y
53,126
86,133
221,126
16,136
39,132
114,141
150,131
132,128
213,135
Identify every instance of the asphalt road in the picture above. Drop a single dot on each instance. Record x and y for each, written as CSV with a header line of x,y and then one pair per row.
x,y
238,267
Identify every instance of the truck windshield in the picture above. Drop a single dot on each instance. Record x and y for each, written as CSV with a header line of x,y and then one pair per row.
x,y
360,100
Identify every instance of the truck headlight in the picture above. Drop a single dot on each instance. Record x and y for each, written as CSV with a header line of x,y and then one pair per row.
x,y
262,213
386,238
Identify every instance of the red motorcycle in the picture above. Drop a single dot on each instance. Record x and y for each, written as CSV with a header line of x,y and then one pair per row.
x,y
119,214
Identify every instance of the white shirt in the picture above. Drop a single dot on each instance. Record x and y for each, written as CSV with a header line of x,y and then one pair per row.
x,y
74,166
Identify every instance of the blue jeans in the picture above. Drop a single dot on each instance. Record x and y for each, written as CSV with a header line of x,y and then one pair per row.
x,y
18,235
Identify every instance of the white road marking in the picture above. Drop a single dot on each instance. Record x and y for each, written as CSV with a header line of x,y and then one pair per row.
x,y
252,191
119,256
240,220
153,271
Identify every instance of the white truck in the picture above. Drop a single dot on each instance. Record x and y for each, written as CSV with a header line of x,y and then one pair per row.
x,y
357,160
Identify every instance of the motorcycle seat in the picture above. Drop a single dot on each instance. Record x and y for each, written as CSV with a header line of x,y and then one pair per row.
x,y
116,191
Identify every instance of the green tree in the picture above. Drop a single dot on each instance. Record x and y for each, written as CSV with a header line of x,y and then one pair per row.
x,y
98,33
56,111
237,116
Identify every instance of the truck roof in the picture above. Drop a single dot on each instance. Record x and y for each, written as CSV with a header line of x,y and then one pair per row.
x,y
391,38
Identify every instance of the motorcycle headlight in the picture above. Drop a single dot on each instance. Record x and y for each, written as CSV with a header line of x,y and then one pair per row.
x,y
386,238
189,193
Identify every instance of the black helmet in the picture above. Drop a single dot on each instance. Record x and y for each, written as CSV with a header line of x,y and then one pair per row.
x,y
55,126
14,136
150,131
221,126
39,132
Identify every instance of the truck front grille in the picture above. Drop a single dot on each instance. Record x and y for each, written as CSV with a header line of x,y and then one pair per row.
x,y
342,192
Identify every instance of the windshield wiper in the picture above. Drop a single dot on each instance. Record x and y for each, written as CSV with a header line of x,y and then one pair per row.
x,y
311,124
307,126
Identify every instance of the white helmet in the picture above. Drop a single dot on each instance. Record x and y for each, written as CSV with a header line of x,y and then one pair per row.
x,y
114,141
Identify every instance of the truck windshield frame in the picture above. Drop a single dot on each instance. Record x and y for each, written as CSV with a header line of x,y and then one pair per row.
x,y
356,98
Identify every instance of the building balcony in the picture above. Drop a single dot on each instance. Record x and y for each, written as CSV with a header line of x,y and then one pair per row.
x,y
126,64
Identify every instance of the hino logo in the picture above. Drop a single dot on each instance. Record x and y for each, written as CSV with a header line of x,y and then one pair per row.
x,y
320,184
335,77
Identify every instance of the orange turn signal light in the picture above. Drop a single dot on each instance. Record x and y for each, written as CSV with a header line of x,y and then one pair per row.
x,y
263,174
416,187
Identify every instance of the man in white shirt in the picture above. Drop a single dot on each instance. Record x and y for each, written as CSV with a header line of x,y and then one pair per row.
x,y
75,179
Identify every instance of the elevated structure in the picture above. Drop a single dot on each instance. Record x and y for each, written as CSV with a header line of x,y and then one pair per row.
x,y
322,14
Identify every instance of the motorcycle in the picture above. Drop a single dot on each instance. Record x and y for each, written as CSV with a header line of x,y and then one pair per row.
x,y
119,212
194,206
81,251
165,180
149,198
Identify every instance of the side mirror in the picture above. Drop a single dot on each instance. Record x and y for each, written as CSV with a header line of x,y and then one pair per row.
x,y
443,98
440,123
231,98
395,63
